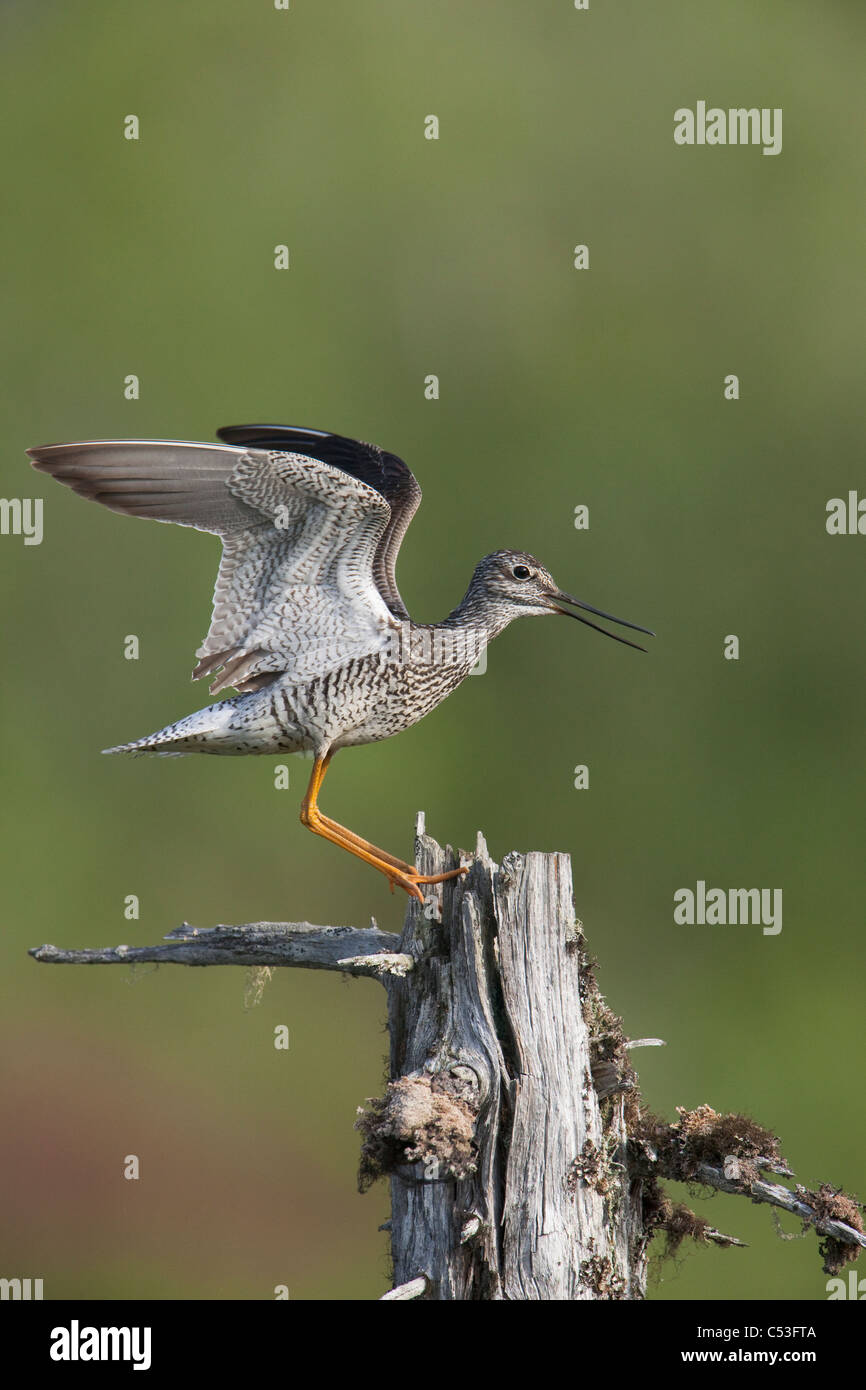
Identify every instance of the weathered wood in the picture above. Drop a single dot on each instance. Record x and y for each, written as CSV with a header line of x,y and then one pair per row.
x,y
490,1029
353,950
778,1196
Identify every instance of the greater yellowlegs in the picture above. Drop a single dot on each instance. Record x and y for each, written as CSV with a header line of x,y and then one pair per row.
x,y
308,623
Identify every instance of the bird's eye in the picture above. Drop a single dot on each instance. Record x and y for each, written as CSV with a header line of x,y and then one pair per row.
x,y
521,572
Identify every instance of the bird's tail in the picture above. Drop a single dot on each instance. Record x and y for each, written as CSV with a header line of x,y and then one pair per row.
x,y
217,729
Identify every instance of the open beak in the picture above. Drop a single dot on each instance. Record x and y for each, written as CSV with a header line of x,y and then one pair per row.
x,y
557,598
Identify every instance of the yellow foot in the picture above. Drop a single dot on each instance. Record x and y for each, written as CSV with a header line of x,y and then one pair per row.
x,y
409,882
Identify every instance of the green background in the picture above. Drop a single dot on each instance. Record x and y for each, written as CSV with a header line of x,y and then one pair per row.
x,y
558,387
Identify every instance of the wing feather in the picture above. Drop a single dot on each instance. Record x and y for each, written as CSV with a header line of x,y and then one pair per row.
x,y
295,591
385,472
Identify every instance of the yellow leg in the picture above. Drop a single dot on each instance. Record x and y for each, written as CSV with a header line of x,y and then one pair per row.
x,y
397,871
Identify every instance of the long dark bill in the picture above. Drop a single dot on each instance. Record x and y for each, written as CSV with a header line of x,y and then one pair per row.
x,y
559,598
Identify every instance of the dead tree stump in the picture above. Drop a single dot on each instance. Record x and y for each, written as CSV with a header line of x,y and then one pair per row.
x,y
506,1182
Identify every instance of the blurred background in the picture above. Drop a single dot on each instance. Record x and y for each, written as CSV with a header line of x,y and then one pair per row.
x,y
558,387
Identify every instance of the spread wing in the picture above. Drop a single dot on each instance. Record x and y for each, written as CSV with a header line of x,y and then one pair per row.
x,y
386,473
295,591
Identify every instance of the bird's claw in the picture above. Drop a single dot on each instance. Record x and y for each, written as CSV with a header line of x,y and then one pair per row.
x,y
410,882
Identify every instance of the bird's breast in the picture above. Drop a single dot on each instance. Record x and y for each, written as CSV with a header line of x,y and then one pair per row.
x,y
377,696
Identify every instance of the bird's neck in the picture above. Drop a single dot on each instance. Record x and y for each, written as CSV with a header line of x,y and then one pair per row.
x,y
475,612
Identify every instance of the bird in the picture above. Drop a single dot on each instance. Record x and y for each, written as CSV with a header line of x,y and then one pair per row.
x,y
308,624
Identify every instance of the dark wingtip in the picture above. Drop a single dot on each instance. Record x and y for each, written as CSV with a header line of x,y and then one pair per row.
x,y
41,455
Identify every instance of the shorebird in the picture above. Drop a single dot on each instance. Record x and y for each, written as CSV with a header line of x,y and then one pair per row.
x,y
308,624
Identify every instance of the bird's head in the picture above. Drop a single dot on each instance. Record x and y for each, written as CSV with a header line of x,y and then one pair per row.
x,y
519,586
